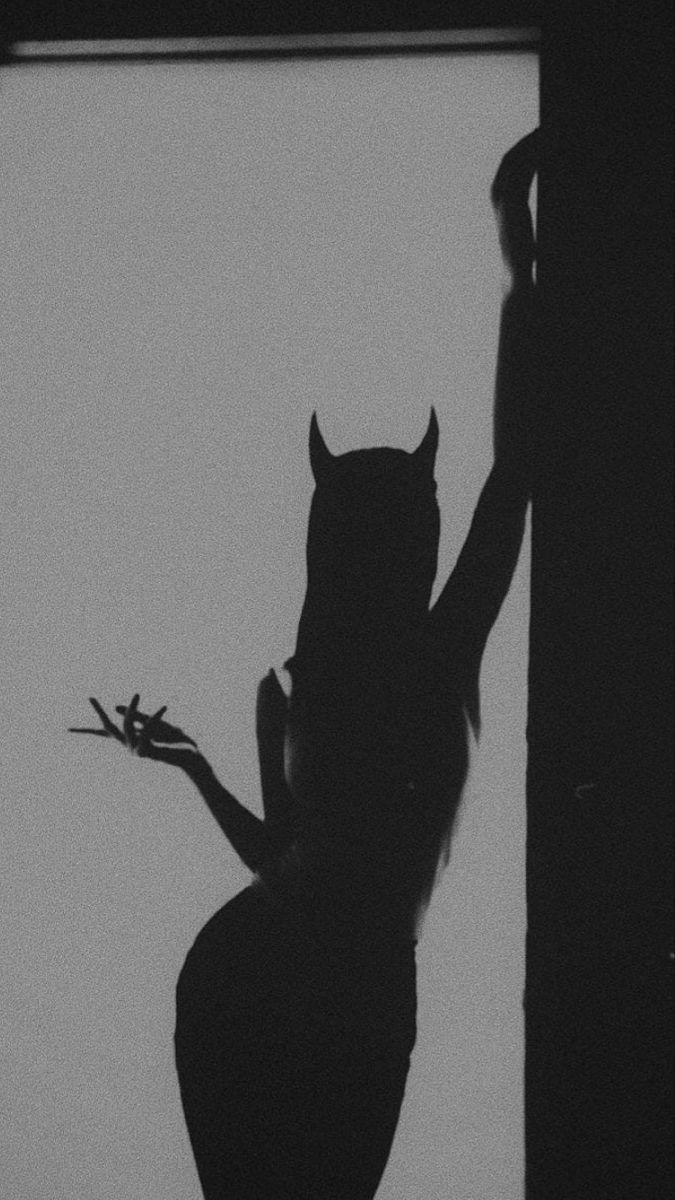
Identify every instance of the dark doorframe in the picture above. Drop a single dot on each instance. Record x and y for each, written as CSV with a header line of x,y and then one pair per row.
x,y
599,987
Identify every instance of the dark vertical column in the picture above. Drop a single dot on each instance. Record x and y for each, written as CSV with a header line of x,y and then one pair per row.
x,y
599,988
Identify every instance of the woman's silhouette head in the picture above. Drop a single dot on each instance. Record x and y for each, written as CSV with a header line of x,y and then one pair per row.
x,y
374,525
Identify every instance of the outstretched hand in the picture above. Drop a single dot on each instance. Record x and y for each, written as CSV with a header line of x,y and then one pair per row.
x,y
510,199
146,735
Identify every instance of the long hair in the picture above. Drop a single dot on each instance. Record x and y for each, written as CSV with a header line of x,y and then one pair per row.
x,y
378,738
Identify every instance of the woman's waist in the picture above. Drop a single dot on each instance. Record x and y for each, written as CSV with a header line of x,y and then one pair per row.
x,y
348,894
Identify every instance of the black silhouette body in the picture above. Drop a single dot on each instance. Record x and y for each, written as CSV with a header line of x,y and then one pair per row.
x,y
309,975
296,1006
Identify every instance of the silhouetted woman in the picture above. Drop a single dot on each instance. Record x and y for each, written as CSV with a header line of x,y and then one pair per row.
x,y
296,1004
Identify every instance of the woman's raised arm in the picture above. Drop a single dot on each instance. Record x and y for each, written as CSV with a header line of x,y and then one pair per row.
x,y
471,599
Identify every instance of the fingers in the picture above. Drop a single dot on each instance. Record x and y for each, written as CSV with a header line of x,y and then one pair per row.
x,y
111,730
517,170
97,732
155,722
137,739
161,730
128,723
510,198
156,718
150,729
174,757
139,716
176,735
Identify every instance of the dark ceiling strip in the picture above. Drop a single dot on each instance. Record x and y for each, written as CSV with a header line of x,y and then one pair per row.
x,y
274,46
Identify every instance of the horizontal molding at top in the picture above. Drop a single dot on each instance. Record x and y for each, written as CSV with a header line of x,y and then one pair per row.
x,y
270,45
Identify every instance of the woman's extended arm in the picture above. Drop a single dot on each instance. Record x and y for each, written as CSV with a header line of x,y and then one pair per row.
x,y
249,836
246,833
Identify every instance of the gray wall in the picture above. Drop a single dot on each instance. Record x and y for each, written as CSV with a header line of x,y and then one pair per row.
x,y
195,258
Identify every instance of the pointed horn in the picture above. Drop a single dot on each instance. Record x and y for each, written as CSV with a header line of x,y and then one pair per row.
x,y
320,457
425,454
